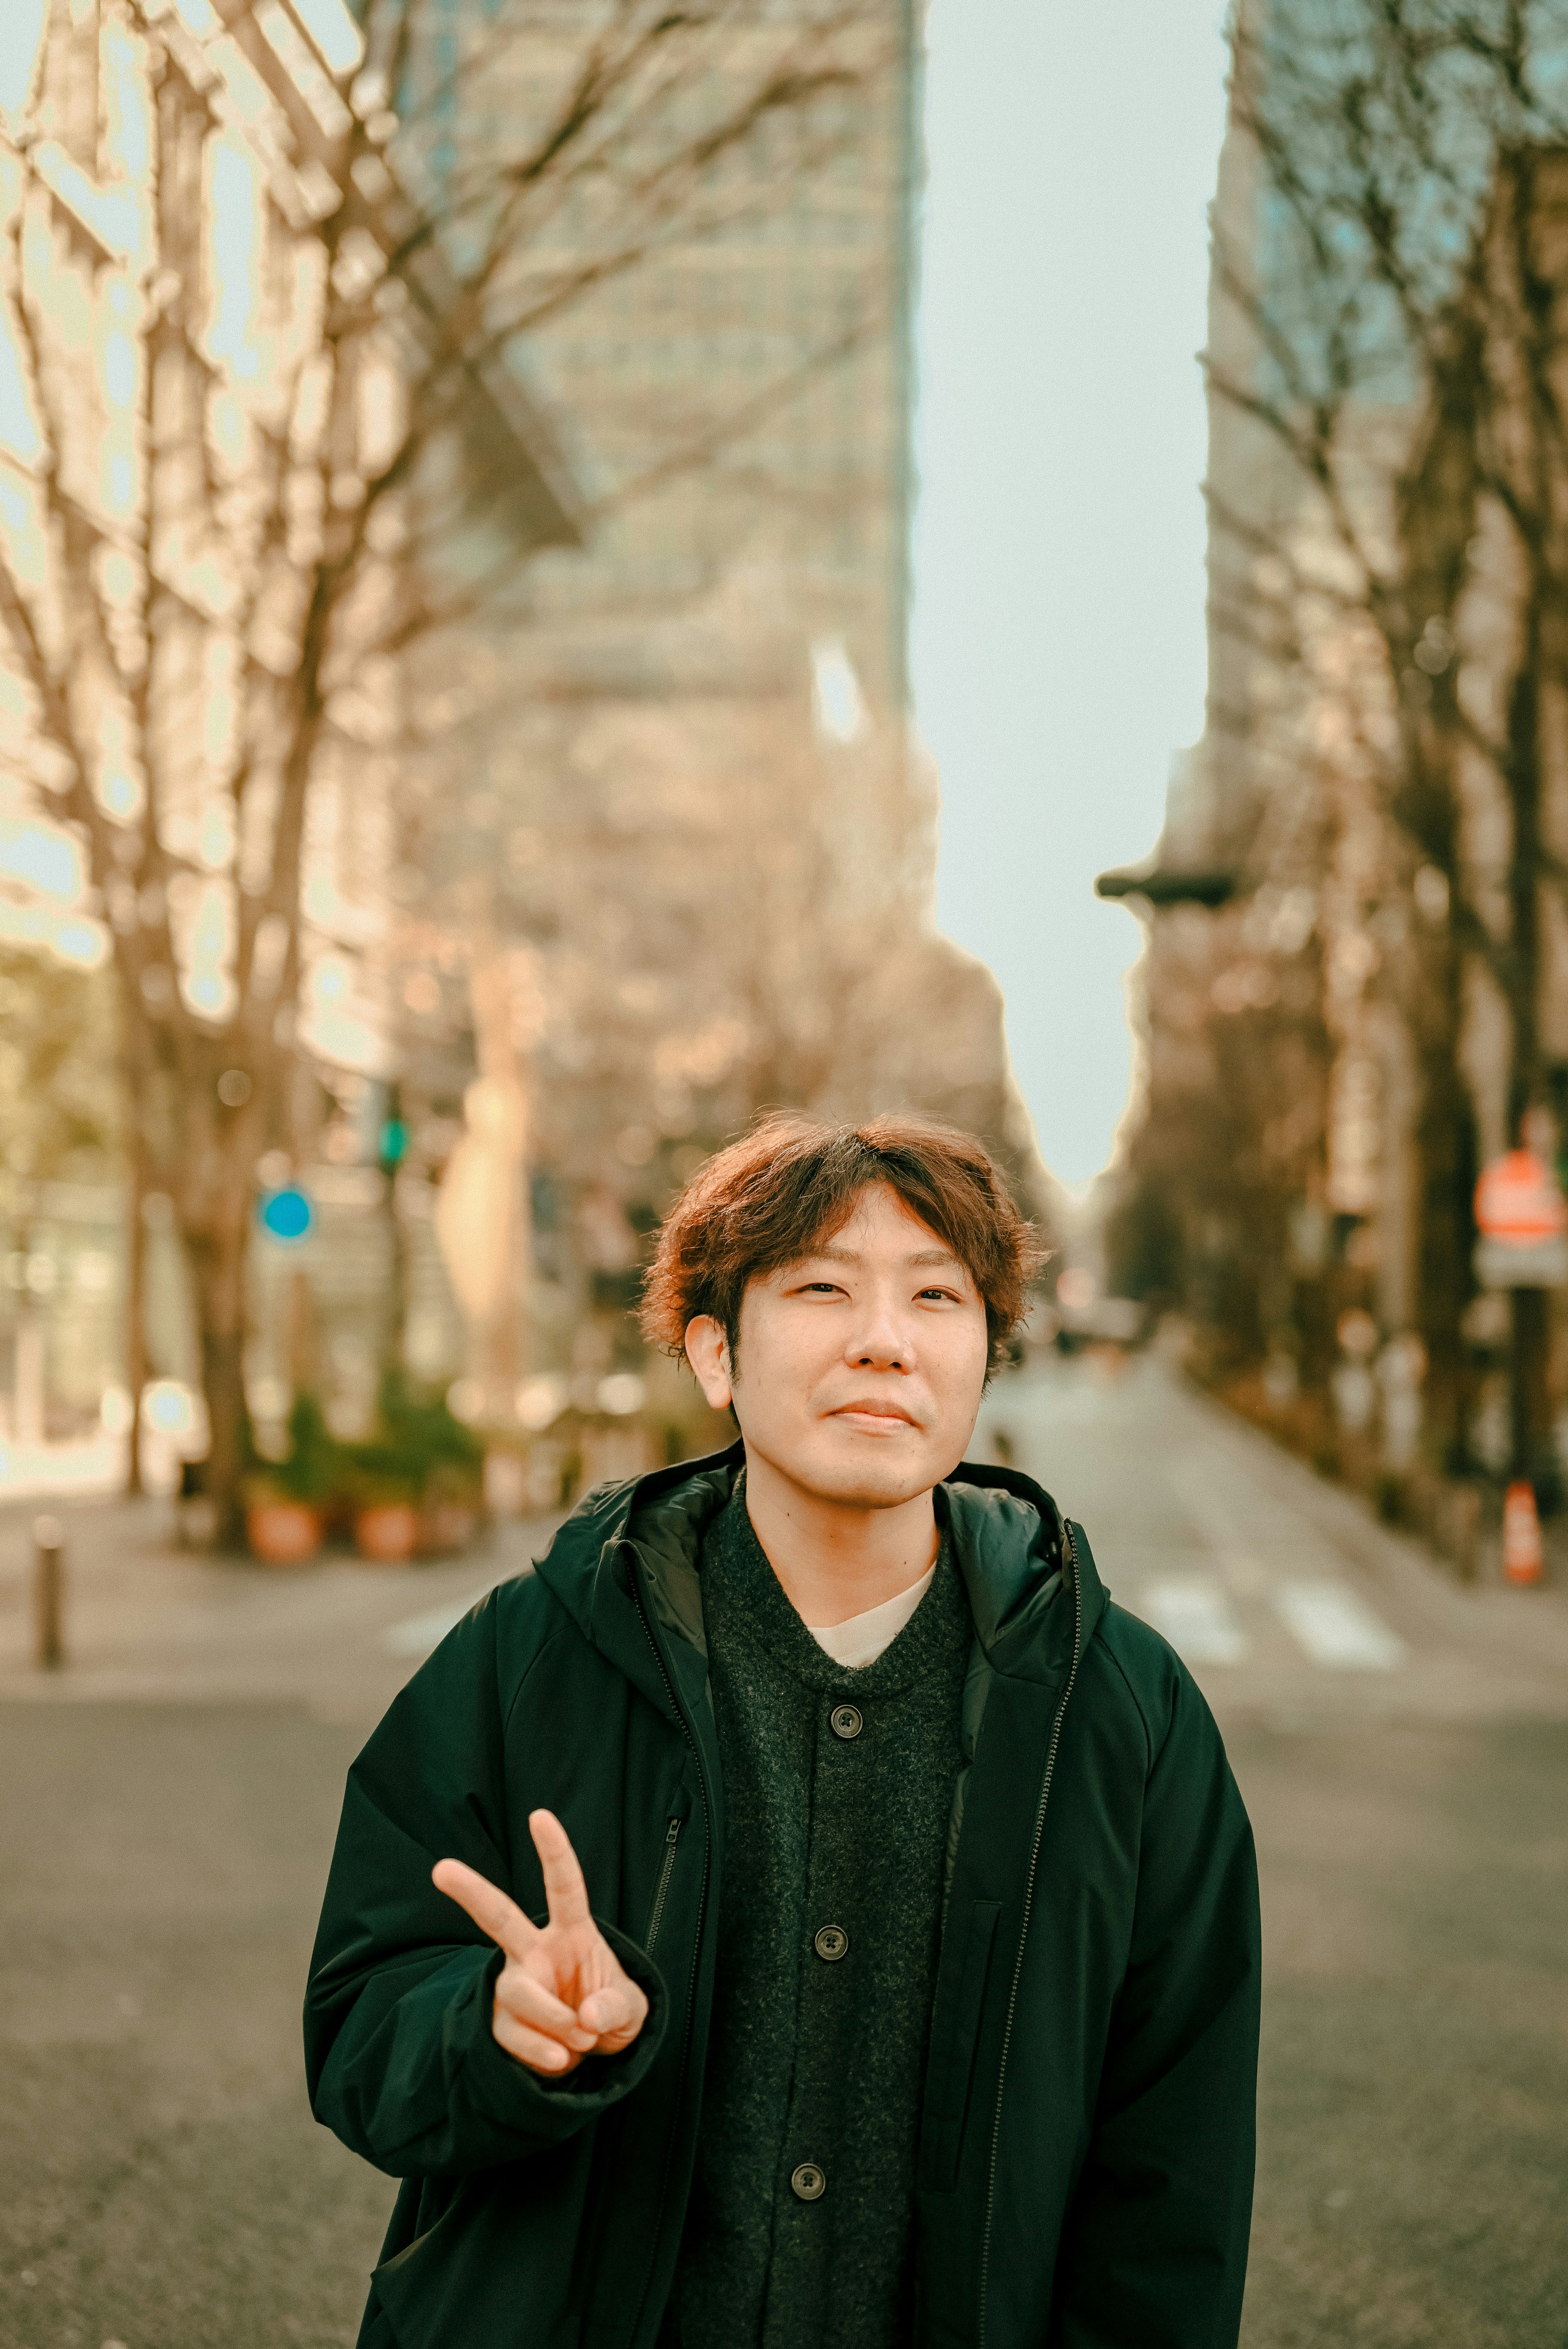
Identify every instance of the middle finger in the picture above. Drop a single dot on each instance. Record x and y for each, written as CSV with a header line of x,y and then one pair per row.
x,y
564,1886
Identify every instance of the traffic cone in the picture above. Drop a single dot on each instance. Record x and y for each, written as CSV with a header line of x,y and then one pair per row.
x,y
1520,1534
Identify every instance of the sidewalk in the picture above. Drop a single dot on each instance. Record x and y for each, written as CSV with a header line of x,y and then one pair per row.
x,y
148,1621
92,1467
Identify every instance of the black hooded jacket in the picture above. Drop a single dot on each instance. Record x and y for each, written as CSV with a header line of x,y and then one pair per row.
x,y
1085,2156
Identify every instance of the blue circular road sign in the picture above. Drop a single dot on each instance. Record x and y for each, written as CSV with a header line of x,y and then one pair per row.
x,y
286,1214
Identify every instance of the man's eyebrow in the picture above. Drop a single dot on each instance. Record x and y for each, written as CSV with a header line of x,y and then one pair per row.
x,y
851,1256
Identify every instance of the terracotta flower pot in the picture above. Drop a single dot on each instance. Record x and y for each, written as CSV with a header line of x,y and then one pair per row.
x,y
282,1533
386,1532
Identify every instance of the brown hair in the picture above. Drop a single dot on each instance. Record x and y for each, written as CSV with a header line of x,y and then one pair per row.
x,y
770,1198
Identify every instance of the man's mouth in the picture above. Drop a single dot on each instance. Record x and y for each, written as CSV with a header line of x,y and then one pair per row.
x,y
885,1414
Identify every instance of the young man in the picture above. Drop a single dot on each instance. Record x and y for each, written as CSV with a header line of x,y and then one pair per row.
x,y
804,1913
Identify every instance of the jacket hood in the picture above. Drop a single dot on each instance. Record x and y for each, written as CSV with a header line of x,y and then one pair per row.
x,y
1009,1542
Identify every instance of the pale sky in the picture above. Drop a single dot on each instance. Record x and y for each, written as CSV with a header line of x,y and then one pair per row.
x,y
1058,631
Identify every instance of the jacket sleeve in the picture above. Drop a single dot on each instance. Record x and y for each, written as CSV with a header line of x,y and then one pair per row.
x,y
1154,2251
399,2056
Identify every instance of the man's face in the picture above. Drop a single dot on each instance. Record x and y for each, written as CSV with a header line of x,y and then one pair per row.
x,y
860,1368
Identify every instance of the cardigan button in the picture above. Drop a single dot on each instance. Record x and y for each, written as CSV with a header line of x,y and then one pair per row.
x,y
830,1942
845,1721
807,2182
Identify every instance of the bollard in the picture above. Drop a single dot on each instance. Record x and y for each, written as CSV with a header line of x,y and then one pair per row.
x,y
49,1593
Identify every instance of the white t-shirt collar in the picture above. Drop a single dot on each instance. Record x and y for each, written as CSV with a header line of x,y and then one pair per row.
x,y
860,1640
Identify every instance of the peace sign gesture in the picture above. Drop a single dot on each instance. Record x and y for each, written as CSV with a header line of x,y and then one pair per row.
x,y
561,1993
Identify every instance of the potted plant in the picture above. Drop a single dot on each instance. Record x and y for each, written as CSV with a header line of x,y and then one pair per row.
x,y
286,1500
383,1492
444,1458
414,1487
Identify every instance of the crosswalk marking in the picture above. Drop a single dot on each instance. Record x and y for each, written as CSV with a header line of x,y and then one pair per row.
x,y
1336,1628
1329,1622
1198,1618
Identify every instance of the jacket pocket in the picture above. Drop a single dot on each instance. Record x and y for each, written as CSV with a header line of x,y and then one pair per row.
x,y
955,2031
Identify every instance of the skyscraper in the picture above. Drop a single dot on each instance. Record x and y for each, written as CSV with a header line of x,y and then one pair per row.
x,y
675,762
723,296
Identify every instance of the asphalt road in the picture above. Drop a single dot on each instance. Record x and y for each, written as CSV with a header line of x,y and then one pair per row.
x,y
1403,1746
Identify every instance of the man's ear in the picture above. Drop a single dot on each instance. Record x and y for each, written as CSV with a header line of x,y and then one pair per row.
x,y
709,1356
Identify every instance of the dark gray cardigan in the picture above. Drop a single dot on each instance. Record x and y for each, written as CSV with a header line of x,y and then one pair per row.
x,y
829,1928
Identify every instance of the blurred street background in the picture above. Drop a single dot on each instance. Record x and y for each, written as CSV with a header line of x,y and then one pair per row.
x,y
464,613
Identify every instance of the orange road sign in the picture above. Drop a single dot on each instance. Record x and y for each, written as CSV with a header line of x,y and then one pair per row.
x,y
1518,1200
1523,1223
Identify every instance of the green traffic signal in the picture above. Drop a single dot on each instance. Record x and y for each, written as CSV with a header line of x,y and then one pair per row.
x,y
393,1147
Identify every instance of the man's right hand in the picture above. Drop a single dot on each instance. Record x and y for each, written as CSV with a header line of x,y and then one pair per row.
x,y
563,1993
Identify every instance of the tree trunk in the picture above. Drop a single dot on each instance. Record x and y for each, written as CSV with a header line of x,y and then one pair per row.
x,y
395,1341
222,1381
1529,1407
1437,502
1446,1146
136,1362
218,1253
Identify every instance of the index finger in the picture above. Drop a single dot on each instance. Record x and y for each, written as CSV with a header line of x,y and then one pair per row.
x,y
488,1906
564,1887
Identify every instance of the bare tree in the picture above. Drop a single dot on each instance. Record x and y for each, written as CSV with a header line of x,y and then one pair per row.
x,y
231,530
1397,540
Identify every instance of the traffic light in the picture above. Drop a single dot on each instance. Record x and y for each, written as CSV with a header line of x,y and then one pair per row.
x,y
392,1143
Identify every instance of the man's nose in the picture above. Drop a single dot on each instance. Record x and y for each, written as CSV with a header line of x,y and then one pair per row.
x,y
882,1338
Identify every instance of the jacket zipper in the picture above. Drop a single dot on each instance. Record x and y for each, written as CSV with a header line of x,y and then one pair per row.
x,y
669,1842
671,1837
1072,1549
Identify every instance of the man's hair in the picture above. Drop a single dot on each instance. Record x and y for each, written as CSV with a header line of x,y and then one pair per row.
x,y
791,1183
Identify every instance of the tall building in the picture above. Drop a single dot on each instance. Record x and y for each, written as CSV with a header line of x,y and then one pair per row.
x,y
674,766
741,394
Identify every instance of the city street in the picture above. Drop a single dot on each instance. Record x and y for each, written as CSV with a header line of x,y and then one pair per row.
x,y
618,628
1402,1746
1401,1743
